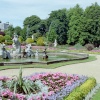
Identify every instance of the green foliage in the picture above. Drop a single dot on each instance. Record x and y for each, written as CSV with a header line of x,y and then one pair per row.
x,y
9,31
7,37
52,35
40,41
75,24
92,24
20,39
36,36
97,95
80,92
32,22
8,42
29,40
17,30
42,27
89,47
67,26
58,26
2,39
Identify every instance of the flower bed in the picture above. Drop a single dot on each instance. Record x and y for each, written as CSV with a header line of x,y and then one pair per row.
x,y
39,86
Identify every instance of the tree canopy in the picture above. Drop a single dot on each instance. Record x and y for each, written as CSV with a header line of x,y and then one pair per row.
x,y
72,26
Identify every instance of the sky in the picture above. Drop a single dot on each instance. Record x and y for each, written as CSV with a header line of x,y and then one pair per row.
x,y
15,11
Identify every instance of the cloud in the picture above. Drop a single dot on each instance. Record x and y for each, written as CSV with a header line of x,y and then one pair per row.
x,y
15,11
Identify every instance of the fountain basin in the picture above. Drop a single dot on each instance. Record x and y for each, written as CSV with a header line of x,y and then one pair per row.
x,y
52,58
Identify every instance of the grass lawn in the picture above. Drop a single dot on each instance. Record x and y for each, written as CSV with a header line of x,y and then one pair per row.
x,y
97,96
50,66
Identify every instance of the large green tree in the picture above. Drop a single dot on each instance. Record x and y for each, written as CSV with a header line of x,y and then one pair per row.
x,y
58,24
32,23
92,24
75,16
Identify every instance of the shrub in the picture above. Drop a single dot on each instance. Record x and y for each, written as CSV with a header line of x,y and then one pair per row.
x,y
89,47
36,36
78,46
20,39
80,92
40,41
8,43
7,37
29,40
2,38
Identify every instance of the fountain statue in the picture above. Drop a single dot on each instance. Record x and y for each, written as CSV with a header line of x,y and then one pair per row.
x,y
5,54
0,50
36,53
28,50
16,44
55,43
45,56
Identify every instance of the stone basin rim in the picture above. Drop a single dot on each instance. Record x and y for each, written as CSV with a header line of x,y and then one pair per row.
x,y
80,56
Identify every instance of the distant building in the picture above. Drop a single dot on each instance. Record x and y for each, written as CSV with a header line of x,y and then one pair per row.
x,y
4,26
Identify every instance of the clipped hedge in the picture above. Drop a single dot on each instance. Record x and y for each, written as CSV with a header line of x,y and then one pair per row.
x,y
29,40
40,41
80,92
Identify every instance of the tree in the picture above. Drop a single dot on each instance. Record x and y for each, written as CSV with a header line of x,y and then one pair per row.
x,y
32,23
52,33
17,30
92,25
58,25
42,27
10,31
23,33
75,16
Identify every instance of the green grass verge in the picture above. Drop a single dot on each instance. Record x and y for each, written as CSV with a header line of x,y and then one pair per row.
x,y
97,96
50,66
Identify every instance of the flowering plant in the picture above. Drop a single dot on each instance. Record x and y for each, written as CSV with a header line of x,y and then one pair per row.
x,y
39,86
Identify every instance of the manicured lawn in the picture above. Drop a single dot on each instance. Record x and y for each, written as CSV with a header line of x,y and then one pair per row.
x,y
50,66
97,96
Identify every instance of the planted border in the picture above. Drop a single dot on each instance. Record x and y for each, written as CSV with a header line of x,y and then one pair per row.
x,y
80,92
39,86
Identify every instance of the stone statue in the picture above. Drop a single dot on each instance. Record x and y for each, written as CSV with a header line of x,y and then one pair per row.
x,y
16,44
5,53
29,51
45,56
36,53
55,43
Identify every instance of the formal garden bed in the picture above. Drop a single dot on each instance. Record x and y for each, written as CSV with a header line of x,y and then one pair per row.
x,y
46,86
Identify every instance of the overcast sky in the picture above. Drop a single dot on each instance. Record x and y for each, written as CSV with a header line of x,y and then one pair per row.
x,y
15,11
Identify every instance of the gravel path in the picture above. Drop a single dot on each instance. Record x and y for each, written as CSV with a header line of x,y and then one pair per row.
x,y
91,69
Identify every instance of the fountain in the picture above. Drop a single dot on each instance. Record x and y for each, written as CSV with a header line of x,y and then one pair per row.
x,y
27,56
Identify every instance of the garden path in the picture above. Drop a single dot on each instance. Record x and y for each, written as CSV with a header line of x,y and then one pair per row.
x,y
91,69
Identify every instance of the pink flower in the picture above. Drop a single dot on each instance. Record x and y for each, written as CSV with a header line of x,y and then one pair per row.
x,y
20,96
50,93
